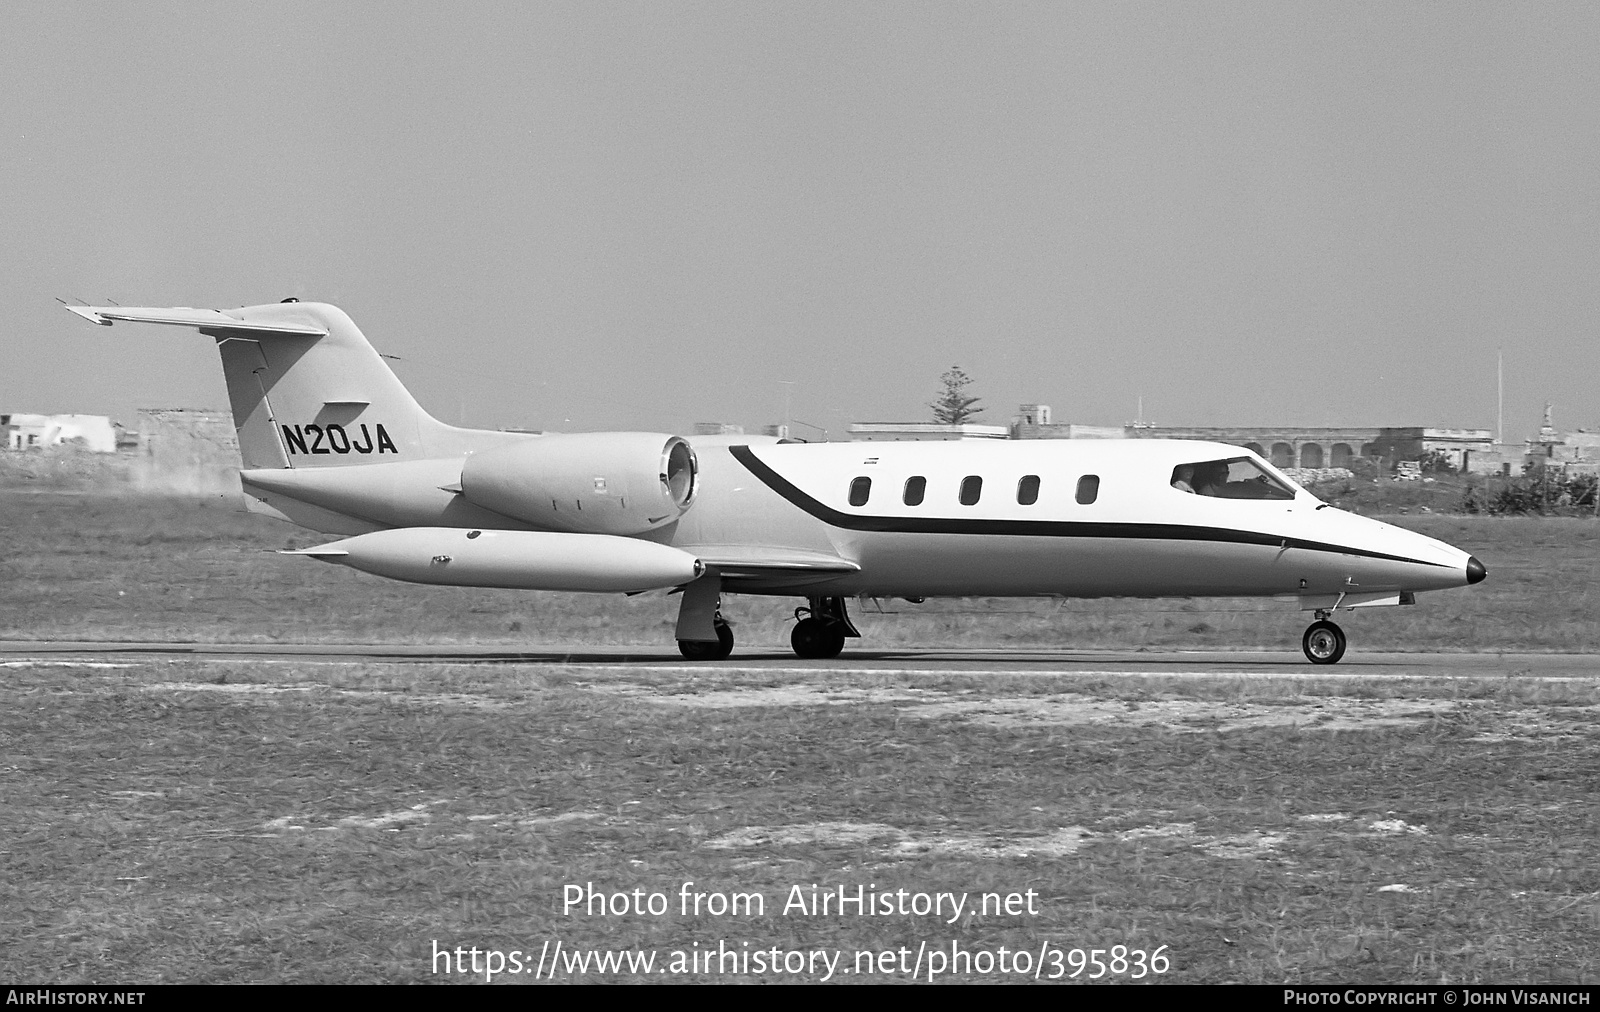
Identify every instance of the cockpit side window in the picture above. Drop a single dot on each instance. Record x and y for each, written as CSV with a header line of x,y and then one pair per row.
x,y
1234,478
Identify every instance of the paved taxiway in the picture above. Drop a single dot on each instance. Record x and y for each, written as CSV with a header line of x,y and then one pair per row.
x,y
995,661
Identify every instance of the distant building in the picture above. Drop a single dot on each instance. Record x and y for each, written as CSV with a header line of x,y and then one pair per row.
x,y
1033,421
1580,452
718,429
1457,446
1024,429
1286,446
902,431
1574,452
1499,458
1318,447
95,433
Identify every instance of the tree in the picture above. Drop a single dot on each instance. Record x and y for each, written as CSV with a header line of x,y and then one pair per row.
x,y
953,406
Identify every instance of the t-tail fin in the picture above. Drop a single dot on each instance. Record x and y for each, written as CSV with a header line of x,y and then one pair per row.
x,y
306,387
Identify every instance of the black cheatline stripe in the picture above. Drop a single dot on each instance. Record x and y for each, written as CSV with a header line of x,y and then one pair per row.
x,y
1036,528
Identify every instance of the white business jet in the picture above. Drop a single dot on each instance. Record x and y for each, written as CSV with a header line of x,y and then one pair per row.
x,y
330,440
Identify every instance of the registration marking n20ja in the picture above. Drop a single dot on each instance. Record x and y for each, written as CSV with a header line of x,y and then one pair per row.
x,y
323,439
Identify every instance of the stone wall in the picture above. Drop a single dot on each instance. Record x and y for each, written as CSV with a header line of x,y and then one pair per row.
x,y
1285,447
187,450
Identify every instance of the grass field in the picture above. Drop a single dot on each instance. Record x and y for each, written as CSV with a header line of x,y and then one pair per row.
x,y
258,820
246,821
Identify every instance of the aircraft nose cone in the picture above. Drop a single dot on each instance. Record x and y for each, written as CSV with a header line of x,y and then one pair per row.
x,y
1475,570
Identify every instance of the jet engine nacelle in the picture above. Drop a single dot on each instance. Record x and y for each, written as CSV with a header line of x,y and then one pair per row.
x,y
587,483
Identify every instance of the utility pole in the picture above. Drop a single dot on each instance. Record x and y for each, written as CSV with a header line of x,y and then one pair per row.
x,y
1500,399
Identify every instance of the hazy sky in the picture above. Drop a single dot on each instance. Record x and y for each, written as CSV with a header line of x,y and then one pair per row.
x,y
640,215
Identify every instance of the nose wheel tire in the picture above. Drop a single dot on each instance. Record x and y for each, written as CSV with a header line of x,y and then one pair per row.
x,y
1323,643
704,650
815,638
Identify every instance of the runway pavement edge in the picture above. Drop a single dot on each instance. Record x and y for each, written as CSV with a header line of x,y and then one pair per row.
x,y
928,662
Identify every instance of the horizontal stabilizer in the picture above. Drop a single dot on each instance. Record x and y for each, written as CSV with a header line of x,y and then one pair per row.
x,y
184,316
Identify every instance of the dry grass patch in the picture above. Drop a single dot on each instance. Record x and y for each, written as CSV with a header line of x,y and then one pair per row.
x,y
161,830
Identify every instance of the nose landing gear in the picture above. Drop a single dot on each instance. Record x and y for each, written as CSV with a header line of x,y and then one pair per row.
x,y
703,634
704,650
1323,642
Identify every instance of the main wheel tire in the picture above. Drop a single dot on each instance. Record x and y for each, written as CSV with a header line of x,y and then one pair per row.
x,y
1323,643
814,638
704,650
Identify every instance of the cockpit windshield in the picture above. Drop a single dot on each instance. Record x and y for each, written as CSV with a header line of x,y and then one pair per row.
x,y
1235,478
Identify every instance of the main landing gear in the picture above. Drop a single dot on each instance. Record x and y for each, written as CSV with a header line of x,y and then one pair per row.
x,y
704,635
1323,642
822,628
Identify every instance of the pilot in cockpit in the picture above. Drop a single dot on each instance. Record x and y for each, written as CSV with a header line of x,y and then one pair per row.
x,y
1238,478
1211,479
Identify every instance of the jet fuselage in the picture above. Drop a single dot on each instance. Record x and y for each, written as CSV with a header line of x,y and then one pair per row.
x,y
1138,536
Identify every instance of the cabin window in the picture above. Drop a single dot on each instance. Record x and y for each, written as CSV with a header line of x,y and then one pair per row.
x,y
916,488
1028,490
860,489
971,489
1235,478
1088,489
